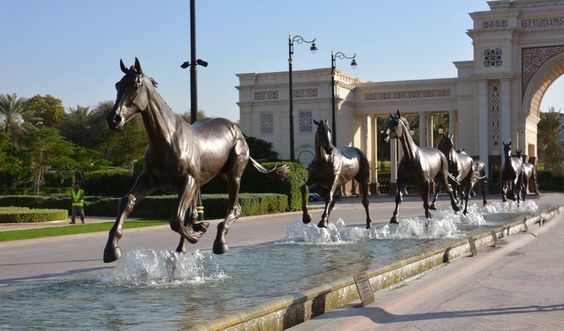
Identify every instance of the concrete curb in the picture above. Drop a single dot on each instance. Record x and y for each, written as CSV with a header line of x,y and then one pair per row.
x,y
289,311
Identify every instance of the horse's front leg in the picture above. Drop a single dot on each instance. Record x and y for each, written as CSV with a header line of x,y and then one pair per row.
x,y
191,219
425,189
453,200
143,187
364,192
185,201
399,191
306,216
329,204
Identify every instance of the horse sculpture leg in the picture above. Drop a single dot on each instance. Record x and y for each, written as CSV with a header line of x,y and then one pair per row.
x,y
329,203
364,192
186,202
140,190
306,216
443,177
437,189
399,191
425,189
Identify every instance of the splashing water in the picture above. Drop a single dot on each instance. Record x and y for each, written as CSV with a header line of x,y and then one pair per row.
x,y
157,268
527,206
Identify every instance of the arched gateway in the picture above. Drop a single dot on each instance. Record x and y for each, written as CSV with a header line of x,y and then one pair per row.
x,y
518,54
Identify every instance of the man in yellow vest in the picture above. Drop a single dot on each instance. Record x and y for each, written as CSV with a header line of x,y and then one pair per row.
x,y
77,198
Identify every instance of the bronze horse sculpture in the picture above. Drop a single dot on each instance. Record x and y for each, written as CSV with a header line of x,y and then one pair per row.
x,y
464,171
529,175
179,159
419,165
511,175
332,167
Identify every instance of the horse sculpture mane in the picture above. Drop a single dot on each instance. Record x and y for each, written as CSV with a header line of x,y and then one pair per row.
x,y
179,159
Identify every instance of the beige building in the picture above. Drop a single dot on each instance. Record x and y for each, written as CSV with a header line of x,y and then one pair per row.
x,y
518,53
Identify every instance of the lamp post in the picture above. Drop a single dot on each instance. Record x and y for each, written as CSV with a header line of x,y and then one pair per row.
x,y
291,40
334,57
193,63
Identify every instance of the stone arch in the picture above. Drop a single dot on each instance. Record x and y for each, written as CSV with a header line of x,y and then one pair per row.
x,y
539,83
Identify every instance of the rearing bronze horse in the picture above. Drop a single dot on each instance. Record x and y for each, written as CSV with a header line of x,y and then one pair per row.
x,y
333,167
419,165
180,158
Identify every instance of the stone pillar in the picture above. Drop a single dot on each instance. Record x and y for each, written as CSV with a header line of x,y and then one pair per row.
x,y
429,127
422,130
364,134
483,136
453,126
374,189
504,115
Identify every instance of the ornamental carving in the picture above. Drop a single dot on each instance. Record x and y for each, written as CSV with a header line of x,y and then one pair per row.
x,y
306,93
534,58
265,95
492,57
266,123
306,120
494,24
415,94
494,119
543,23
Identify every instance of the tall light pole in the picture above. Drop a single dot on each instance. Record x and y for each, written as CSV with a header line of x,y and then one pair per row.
x,y
334,57
193,63
313,48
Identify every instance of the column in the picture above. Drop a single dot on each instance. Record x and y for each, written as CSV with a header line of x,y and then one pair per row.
x,y
373,156
364,134
453,125
504,114
429,127
483,121
422,130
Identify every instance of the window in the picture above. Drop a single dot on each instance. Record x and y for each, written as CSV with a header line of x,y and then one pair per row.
x,y
266,123
306,123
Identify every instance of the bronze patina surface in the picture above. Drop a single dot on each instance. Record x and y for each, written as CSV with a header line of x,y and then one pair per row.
x,y
419,165
511,175
179,159
331,168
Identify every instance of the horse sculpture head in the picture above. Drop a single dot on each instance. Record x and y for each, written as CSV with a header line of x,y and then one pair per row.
x,y
132,95
446,145
323,136
507,148
397,127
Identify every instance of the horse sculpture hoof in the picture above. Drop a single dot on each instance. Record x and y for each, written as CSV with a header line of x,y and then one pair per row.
x,y
394,220
219,247
433,207
306,218
111,254
322,224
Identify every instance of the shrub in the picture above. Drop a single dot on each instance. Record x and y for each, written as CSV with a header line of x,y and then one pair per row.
x,y
114,183
27,215
549,182
157,206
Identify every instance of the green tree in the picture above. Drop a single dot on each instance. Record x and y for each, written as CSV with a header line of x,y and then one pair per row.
x,y
46,147
12,115
76,126
45,109
548,138
261,149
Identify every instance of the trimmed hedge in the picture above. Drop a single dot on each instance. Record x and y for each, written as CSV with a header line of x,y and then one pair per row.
x,y
157,206
27,215
114,183
550,182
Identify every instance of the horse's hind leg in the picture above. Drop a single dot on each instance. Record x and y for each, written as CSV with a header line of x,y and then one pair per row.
x,y
364,191
453,200
236,166
140,190
425,189
437,189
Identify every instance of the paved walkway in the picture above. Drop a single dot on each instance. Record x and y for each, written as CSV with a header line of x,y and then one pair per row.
x,y
518,286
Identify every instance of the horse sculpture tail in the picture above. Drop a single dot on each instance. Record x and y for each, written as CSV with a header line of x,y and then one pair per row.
x,y
279,172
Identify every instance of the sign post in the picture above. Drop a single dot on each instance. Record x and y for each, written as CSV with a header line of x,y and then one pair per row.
x,y
364,288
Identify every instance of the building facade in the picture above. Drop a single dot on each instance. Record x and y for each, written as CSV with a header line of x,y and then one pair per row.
x,y
496,97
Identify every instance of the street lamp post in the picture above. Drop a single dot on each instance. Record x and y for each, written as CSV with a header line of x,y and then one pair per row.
x,y
334,57
193,63
291,40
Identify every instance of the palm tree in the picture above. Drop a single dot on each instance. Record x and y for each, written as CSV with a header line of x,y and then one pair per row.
x,y
12,113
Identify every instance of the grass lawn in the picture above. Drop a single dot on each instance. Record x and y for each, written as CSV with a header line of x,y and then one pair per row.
x,y
75,229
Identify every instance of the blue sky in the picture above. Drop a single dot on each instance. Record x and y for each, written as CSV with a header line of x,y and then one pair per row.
x,y
71,49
